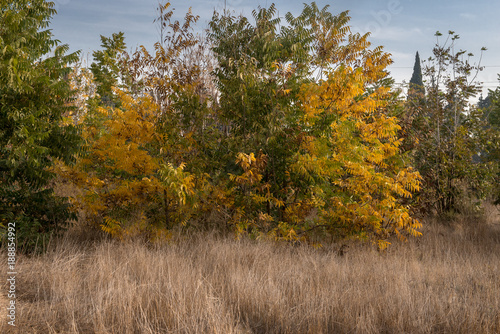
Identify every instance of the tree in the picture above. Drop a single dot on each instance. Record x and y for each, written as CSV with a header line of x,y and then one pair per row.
x,y
127,190
107,69
491,110
449,132
136,172
416,86
484,103
34,98
307,108
492,101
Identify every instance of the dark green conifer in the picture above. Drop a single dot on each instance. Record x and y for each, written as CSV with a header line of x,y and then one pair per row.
x,y
416,83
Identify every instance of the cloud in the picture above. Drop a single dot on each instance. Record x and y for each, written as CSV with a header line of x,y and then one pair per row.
x,y
468,16
402,55
397,33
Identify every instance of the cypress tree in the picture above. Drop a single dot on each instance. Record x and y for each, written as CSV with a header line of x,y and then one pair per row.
x,y
416,83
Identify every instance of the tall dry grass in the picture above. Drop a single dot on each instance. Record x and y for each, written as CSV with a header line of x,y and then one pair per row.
x,y
448,281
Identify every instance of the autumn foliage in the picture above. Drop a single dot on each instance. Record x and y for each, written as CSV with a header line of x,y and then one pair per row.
x,y
287,128
271,130
355,156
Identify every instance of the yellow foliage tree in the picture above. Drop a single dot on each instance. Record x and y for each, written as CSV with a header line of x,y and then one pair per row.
x,y
355,152
133,173
127,189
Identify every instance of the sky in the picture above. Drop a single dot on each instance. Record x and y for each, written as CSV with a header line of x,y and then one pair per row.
x,y
403,27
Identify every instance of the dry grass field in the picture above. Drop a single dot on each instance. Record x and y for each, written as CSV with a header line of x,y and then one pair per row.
x,y
447,281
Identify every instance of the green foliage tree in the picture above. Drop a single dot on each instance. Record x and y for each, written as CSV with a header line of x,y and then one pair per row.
x,y
107,67
448,132
484,103
492,101
259,76
491,109
34,97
